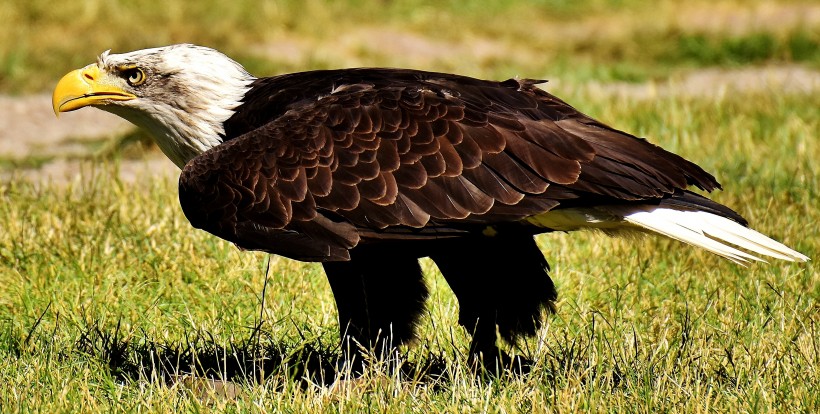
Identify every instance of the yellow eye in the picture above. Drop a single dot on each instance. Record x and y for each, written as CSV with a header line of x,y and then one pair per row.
x,y
134,76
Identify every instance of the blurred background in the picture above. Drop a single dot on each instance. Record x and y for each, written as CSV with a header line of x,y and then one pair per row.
x,y
628,48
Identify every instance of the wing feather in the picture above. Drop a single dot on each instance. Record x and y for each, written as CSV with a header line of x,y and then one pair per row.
x,y
385,151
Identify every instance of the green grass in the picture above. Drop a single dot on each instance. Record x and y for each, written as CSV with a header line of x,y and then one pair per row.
x,y
35,161
699,49
101,276
106,290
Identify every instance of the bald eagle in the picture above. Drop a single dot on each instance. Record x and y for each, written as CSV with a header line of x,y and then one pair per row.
x,y
367,170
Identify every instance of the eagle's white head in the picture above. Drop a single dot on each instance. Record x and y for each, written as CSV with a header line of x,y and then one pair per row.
x,y
180,94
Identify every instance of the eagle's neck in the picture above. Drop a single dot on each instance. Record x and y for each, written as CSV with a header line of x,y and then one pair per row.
x,y
181,135
185,112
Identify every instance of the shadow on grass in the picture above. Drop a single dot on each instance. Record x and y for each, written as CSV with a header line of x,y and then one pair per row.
x,y
591,356
254,360
260,358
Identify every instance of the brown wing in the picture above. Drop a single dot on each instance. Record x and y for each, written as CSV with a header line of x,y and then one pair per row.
x,y
415,161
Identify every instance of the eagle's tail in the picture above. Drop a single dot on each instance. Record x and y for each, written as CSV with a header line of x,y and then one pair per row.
x,y
712,232
684,216
701,222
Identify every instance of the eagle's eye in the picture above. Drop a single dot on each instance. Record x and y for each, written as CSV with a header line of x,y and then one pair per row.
x,y
134,76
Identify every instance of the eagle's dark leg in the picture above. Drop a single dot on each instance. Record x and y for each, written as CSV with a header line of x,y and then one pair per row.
x,y
502,286
380,295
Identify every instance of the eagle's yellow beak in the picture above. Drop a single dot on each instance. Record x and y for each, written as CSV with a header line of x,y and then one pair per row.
x,y
87,86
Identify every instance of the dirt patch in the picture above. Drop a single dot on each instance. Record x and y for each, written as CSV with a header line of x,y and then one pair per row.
x,y
358,47
408,49
764,16
28,128
717,82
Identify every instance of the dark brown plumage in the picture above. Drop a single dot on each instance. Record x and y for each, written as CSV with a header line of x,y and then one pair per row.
x,y
398,153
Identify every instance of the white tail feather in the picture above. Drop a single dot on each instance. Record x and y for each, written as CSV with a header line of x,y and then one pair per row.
x,y
707,230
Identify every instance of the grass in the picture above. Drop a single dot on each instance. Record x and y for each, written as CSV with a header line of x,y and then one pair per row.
x,y
106,286
108,296
701,50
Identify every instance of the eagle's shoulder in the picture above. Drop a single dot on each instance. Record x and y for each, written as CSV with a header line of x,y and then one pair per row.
x,y
271,97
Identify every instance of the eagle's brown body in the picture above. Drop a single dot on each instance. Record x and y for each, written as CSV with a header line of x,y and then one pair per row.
x,y
316,163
